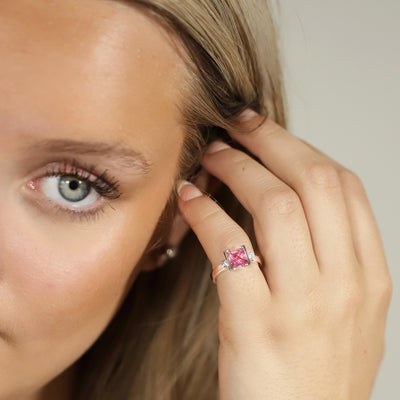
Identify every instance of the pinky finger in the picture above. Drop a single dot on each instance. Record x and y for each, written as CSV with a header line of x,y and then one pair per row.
x,y
367,241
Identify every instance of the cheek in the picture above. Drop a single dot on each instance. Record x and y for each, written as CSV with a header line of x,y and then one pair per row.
x,y
60,285
61,282
66,279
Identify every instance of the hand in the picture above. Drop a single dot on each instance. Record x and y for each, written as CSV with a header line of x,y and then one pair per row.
x,y
309,323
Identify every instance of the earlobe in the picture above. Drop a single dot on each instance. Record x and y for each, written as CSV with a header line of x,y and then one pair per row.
x,y
170,249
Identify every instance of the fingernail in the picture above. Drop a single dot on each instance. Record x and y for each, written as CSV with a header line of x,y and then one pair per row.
x,y
217,145
246,115
190,191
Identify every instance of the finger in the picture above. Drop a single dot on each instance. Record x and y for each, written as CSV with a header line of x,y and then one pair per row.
x,y
280,224
367,240
319,187
243,292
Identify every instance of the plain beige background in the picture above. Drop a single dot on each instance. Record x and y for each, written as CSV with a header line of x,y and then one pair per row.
x,y
342,63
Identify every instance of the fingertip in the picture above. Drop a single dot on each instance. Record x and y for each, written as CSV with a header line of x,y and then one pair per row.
x,y
246,115
248,120
187,191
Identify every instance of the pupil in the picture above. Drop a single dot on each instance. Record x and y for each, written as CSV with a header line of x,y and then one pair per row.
x,y
73,185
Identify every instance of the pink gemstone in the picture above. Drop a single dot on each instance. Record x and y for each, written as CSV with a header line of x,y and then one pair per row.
x,y
237,257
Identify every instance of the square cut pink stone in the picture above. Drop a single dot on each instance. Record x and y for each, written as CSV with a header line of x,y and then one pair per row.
x,y
237,257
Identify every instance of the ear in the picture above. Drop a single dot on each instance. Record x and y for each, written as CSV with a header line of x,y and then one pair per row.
x,y
205,182
180,227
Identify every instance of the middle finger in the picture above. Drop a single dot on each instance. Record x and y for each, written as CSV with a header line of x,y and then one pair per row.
x,y
279,221
317,181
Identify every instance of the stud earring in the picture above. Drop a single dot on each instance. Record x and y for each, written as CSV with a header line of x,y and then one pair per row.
x,y
167,252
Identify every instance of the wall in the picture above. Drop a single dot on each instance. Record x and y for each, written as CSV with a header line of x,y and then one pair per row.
x,y
341,61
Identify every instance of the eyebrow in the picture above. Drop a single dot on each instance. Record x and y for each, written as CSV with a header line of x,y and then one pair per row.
x,y
120,153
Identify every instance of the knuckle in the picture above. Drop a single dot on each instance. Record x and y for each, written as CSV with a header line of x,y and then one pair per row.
x,y
351,178
352,182
388,288
322,175
206,218
384,288
282,201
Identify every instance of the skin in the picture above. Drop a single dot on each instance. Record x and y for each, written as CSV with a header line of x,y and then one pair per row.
x,y
80,70
308,323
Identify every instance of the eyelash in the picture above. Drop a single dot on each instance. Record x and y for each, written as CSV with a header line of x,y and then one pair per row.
x,y
104,184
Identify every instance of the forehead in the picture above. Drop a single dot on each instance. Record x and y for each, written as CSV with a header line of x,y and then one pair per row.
x,y
99,64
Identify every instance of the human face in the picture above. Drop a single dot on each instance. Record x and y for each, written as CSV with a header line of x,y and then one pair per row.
x,y
92,71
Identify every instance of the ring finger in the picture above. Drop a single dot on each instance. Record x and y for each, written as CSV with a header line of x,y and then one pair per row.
x,y
243,292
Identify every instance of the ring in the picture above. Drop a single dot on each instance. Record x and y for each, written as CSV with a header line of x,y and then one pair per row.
x,y
234,259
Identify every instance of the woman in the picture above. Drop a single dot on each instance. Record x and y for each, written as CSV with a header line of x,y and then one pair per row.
x,y
113,103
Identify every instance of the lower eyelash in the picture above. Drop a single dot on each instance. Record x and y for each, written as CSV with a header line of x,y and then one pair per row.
x,y
90,215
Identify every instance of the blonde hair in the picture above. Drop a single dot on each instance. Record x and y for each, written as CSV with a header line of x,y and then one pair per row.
x,y
162,344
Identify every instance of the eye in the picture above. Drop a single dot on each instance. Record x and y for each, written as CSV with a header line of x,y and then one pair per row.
x,y
73,189
69,190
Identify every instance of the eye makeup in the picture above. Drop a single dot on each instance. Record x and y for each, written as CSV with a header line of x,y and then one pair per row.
x,y
74,174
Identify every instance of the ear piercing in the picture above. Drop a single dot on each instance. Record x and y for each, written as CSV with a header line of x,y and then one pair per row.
x,y
168,252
